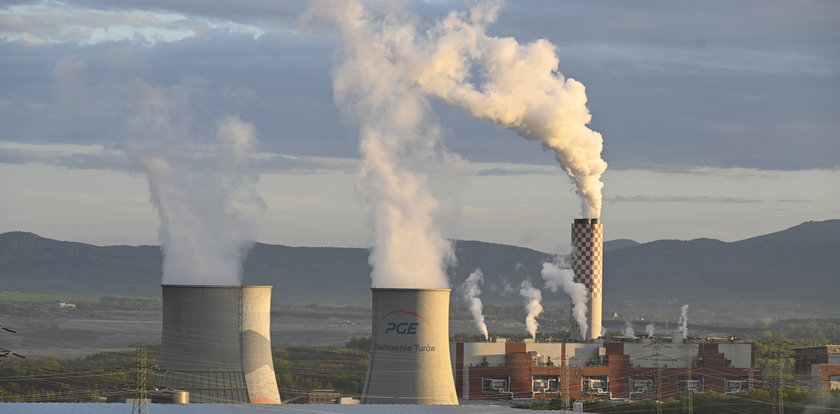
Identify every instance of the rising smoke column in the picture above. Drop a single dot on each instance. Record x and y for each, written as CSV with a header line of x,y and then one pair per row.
x,y
559,275
683,321
471,290
629,332
650,330
516,86
399,144
198,172
533,297
206,208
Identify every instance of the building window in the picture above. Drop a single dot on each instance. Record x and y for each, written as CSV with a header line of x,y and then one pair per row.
x,y
495,385
737,385
693,385
595,385
545,384
642,386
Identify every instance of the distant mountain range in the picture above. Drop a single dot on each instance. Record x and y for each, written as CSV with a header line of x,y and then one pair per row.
x,y
799,265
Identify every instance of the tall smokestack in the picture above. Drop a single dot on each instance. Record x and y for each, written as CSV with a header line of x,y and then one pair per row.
x,y
410,361
587,264
216,344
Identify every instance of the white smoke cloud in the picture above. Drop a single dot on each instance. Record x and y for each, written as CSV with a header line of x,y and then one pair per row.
x,y
629,332
557,276
516,86
683,321
650,330
471,290
199,176
533,297
400,147
206,216
504,287
390,57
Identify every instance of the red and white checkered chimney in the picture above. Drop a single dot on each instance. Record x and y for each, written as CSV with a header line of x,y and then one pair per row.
x,y
588,265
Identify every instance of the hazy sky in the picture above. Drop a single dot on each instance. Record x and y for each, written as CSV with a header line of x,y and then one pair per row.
x,y
719,118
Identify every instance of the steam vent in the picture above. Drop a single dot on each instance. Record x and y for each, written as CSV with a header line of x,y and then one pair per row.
x,y
587,264
216,344
410,361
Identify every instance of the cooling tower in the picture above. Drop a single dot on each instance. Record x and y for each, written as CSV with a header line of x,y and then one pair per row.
x,y
216,344
410,361
587,264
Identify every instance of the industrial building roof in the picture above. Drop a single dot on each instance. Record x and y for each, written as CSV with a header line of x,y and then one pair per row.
x,y
81,408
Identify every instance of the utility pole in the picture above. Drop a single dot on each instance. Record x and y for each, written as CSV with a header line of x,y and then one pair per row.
x,y
657,359
567,398
689,400
780,382
141,393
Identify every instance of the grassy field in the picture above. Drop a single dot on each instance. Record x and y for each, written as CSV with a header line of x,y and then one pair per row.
x,y
41,304
76,298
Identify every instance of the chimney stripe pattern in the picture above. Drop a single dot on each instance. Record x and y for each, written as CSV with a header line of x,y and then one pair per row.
x,y
587,265
588,242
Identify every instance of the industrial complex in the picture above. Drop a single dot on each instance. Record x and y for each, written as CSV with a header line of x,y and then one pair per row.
x,y
216,347
645,368
818,367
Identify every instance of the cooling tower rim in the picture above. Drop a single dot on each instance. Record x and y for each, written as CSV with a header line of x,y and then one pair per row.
x,y
219,286
590,220
375,289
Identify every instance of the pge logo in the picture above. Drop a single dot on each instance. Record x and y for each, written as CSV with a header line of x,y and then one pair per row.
x,y
404,328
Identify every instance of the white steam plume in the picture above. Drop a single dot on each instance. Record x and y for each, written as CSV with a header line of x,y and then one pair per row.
x,y
199,176
516,86
683,322
399,144
471,290
206,213
556,276
650,330
629,332
533,297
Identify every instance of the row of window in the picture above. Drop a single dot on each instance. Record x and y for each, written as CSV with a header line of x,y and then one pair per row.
x,y
599,385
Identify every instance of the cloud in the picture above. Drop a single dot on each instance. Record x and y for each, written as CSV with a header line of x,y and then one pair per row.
x,y
794,201
56,22
679,199
289,164
75,157
656,58
517,169
95,157
754,94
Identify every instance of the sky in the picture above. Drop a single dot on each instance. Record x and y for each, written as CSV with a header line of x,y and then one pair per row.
x,y
719,118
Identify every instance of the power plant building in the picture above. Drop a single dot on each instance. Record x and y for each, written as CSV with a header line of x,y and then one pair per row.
x,y
612,370
818,367
410,359
216,344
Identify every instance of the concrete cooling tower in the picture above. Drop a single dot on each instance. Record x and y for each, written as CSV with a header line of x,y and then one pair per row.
x,y
588,266
410,361
216,344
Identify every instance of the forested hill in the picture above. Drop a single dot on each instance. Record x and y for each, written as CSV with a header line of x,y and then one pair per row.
x,y
798,265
